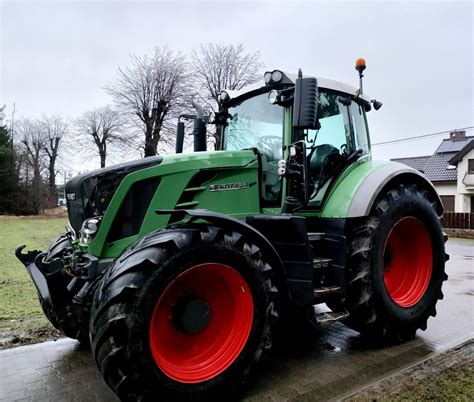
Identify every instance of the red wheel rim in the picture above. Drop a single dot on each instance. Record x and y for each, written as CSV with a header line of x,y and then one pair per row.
x,y
195,357
407,261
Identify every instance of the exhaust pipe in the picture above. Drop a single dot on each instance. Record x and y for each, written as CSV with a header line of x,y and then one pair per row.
x,y
179,137
199,131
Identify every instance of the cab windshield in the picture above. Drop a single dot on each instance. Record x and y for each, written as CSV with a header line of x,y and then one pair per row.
x,y
255,123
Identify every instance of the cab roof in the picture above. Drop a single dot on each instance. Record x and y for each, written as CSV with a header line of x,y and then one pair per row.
x,y
325,83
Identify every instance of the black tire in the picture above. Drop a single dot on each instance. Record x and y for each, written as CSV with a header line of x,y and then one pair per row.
x,y
374,311
124,303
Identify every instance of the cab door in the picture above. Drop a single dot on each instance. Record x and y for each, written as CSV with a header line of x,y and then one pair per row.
x,y
329,149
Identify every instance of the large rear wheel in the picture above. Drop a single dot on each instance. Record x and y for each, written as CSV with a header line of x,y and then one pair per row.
x,y
189,321
396,266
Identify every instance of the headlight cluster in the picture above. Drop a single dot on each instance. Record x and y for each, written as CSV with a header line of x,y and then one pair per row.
x,y
89,229
274,77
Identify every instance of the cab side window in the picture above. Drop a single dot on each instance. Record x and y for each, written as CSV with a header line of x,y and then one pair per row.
x,y
329,146
360,127
343,130
335,125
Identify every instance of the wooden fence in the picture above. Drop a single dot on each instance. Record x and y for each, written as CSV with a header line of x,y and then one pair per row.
x,y
458,220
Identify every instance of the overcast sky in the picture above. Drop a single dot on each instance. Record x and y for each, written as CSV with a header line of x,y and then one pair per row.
x,y
56,56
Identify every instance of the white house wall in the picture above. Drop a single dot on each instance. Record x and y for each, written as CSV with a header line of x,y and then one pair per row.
x,y
446,189
463,198
463,203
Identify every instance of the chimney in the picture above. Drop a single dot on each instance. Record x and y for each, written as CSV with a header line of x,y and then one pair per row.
x,y
457,135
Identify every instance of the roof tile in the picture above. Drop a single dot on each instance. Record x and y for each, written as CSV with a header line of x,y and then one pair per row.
x,y
447,145
437,168
434,167
416,162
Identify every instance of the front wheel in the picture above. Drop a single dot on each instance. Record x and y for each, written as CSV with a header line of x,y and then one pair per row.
x,y
190,321
396,266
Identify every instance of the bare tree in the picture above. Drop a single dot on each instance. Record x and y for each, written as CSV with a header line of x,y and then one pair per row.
x,y
102,127
31,137
53,130
217,67
152,89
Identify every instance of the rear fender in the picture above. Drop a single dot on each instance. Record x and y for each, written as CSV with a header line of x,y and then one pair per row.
x,y
356,192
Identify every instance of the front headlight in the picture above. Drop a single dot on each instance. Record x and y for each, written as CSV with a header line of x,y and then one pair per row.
x,y
273,96
89,229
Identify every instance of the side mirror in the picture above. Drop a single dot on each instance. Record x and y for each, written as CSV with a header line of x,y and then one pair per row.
x,y
305,106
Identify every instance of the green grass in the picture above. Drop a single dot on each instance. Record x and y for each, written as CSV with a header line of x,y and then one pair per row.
x,y
18,300
448,376
453,384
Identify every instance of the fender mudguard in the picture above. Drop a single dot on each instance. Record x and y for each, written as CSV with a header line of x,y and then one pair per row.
x,y
356,190
141,250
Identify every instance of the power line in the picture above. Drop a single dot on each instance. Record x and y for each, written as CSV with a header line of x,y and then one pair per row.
x,y
417,137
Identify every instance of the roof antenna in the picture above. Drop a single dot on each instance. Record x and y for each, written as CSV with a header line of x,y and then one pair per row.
x,y
300,73
360,67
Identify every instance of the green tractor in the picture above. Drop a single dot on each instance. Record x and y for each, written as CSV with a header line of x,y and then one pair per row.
x,y
178,269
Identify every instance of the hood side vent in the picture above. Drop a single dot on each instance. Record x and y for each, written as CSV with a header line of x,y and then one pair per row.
x,y
195,186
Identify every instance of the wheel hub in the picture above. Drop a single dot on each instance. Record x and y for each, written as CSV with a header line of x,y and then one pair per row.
x,y
192,316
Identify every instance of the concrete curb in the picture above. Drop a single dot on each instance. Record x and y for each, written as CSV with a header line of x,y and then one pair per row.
x,y
455,344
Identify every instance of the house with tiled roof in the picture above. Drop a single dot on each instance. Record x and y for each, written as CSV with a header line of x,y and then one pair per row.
x,y
451,170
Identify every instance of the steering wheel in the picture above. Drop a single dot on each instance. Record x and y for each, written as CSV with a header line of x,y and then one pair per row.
x,y
271,144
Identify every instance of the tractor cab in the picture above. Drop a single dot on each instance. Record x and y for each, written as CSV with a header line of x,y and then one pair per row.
x,y
269,118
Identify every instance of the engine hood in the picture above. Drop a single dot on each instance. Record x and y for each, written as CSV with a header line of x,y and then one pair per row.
x,y
89,194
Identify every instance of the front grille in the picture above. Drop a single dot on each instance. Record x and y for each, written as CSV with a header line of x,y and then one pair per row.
x,y
129,217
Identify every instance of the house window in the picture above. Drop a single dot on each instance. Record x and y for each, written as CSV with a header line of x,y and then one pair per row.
x,y
448,202
470,166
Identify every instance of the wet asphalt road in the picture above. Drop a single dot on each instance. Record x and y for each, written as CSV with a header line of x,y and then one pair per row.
x,y
332,365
